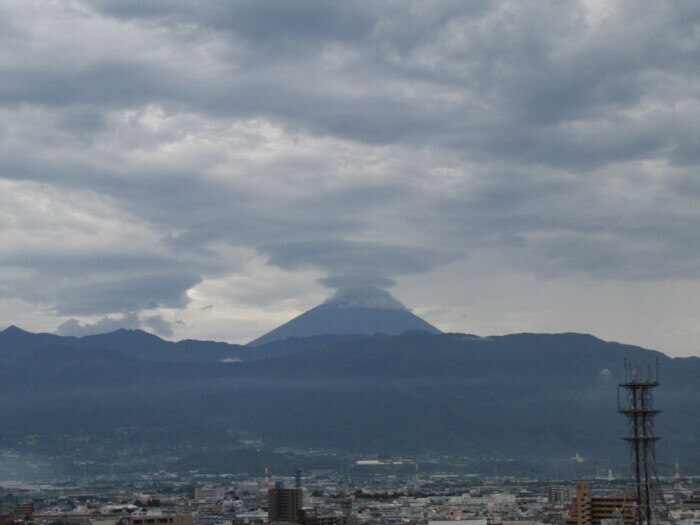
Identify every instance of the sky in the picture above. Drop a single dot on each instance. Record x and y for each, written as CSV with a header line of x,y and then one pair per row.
x,y
212,169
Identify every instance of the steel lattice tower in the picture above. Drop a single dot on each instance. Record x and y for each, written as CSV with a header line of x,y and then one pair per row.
x,y
643,497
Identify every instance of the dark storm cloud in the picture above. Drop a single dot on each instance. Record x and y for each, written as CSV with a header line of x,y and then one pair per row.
x,y
257,19
100,293
132,293
364,141
79,264
94,283
111,83
376,261
513,96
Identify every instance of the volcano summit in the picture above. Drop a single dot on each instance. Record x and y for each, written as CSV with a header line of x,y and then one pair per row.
x,y
359,310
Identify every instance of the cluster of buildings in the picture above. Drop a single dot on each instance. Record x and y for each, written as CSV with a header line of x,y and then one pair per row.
x,y
326,499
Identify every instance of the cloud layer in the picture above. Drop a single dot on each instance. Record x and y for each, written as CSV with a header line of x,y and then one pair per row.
x,y
210,167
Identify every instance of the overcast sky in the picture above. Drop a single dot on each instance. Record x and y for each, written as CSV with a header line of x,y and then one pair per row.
x,y
212,169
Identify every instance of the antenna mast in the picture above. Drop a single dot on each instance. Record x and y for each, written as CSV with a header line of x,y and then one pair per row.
x,y
643,496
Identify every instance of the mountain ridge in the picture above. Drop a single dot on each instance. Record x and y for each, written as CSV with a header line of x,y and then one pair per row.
x,y
15,342
517,395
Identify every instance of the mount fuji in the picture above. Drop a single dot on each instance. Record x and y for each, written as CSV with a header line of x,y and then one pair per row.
x,y
362,310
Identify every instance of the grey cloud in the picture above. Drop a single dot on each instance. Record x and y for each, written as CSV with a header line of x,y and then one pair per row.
x,y
506,203
159,325
356,281
126,293
559,226
414,134
261,20
104,261
351,261
102,293
515,76
293,22
84,120
108,84
104,281
609,255
199,210
581,147
129,321
264,216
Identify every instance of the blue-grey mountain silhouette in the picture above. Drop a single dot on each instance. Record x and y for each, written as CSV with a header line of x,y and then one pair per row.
x,y
359,310
527,396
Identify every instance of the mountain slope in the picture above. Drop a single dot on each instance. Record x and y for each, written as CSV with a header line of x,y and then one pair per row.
x,y
15,342
522,395
365,310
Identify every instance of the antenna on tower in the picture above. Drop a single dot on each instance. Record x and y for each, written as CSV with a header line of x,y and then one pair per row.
x,y
643,497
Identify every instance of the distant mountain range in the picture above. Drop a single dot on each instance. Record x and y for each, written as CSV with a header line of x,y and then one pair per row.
x,y
15,342
523,395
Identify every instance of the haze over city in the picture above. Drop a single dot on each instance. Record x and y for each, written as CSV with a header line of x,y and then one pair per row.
x,y
211,171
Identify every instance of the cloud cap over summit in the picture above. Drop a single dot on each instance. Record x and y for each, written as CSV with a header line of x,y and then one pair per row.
x,y
364,297
360,310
